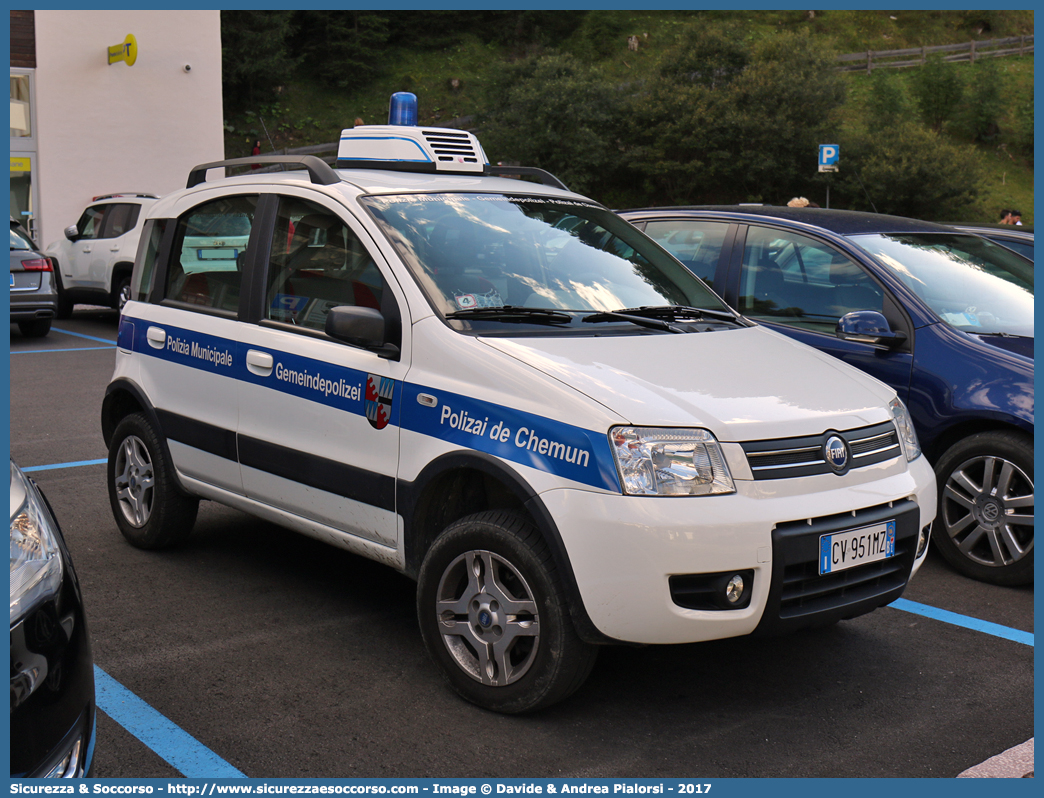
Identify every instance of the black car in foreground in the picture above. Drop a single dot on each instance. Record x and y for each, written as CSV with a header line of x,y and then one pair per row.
x,y
943,316
52,669
34,298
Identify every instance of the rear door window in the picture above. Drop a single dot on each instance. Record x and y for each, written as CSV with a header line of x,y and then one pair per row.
x,y
209,251
696,244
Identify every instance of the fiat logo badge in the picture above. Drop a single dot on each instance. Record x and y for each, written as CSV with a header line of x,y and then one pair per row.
x,y
836,454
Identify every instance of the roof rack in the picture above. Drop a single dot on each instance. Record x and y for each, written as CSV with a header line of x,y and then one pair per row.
x,y
140,194
319,171
545,177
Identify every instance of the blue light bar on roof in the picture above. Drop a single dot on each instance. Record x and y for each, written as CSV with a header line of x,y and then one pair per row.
x,y
402,110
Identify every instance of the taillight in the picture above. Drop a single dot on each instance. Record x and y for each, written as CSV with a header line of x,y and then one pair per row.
x,y
38,265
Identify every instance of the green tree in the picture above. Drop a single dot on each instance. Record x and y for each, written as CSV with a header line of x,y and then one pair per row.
x,y
908,170
938,90
986,100
343,49
730,120
255,55
887,102
556,113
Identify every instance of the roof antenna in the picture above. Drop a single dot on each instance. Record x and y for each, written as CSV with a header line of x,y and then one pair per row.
x,y
856,173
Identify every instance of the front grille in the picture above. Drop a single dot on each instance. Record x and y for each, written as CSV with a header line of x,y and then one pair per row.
x,y
799,596
784,458
449,146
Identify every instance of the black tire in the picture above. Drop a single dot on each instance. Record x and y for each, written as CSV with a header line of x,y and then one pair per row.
x,y
149,509
984,526
121,292
530,657
37,328
65,306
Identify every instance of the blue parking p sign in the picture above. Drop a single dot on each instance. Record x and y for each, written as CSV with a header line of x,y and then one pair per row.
x,y
828,155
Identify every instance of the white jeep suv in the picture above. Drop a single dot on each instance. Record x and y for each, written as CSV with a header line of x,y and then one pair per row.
x,y
96,256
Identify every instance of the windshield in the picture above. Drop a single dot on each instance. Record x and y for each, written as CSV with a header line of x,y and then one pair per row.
x,y
969,282
20,241
544,257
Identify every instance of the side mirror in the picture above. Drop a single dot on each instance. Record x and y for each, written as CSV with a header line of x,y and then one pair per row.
x,y
362,327
72,232
868,327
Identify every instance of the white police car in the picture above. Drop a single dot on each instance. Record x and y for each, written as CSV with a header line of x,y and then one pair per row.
x,y
505,391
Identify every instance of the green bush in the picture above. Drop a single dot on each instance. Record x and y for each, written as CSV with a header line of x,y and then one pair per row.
x,y
908,170
938,90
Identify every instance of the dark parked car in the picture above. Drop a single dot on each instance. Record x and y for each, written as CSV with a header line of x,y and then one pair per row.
x,y
944,317
52,670
1018,238
34,298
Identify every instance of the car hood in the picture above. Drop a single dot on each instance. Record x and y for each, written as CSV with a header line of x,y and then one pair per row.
x,y
1020,345
742,384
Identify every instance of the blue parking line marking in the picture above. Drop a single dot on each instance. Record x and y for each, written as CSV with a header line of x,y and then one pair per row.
x,y
81,335
30,469
176,746
995,629
68,349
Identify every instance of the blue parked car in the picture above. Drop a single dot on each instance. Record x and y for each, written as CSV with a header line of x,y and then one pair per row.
x,y
944,317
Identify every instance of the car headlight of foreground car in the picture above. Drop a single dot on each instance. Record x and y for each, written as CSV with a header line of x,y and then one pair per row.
x,y
669,462
904,425
36,560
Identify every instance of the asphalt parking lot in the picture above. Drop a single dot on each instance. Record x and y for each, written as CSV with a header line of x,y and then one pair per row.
x,y
282,657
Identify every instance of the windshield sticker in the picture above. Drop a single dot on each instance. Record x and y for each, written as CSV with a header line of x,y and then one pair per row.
x,y
490,299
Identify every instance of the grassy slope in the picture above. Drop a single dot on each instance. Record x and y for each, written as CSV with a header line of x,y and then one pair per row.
x,y
306,113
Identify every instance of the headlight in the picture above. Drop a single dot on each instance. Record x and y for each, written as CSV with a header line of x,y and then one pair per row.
x,y
36,561
669,462
905,427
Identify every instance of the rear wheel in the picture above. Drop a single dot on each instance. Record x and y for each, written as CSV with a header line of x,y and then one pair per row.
x,y
148,507
37,328
986,507
494,617
121,294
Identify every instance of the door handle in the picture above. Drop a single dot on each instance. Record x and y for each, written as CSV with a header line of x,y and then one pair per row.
x,y
259,363
157,337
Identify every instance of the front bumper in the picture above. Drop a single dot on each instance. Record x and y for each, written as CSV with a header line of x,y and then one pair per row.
x,y
624,559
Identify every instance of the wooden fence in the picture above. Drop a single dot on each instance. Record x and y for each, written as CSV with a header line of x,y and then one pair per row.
x,y
916,56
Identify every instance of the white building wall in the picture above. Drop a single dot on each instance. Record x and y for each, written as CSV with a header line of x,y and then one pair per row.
x,y
108,128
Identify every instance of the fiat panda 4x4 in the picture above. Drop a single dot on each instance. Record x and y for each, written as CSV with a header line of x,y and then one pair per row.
x,y
503,390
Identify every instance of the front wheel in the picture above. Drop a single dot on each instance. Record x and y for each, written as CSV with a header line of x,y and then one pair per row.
x,y
148,507
986,507
494,617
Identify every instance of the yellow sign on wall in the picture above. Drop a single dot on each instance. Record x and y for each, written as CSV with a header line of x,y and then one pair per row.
x,y
20,164
126,52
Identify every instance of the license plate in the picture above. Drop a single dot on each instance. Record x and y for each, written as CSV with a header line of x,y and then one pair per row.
x,y
12,279
217,254
853,547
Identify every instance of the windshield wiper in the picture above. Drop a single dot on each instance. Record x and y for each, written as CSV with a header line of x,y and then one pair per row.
x,y
641,321
512,313
660,316
679,312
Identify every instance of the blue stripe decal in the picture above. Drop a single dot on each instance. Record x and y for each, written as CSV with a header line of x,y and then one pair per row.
x,y
531,440
167,739
975,624
31,469
81,335
552,446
